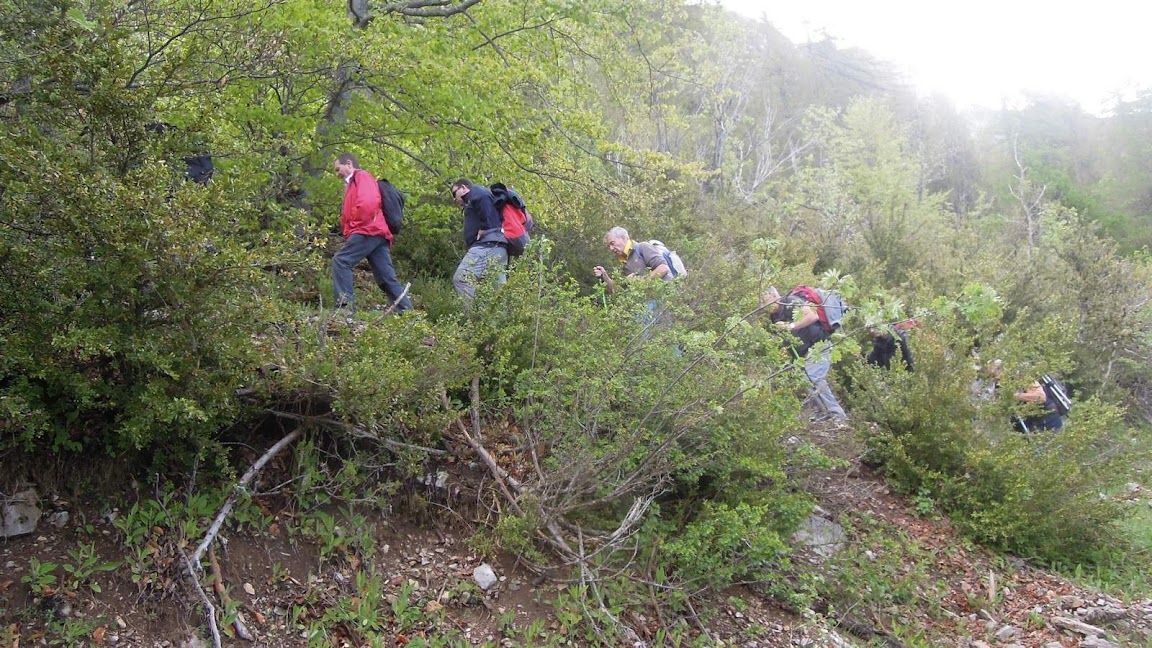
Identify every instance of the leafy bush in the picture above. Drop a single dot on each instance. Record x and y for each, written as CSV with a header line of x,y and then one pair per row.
x,y
1038,495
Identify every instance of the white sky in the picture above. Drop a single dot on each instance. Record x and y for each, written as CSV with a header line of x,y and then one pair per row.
x,y
986,52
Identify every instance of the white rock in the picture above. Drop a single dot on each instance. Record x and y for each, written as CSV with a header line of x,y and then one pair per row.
x,y
822,535
485,577
18,513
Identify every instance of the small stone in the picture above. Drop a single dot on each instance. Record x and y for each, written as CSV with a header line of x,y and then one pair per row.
x,y
251,591
485,577
1005,633
120,622
58,519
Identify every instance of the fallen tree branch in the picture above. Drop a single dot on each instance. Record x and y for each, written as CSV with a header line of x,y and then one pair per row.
x,y
503,479
248,477
355,431
222,594
211,611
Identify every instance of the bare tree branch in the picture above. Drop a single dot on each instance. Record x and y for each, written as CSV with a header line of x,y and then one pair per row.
x,y
427,8
248,476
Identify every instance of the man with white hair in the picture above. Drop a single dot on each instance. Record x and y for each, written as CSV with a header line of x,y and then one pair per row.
x,y
640,259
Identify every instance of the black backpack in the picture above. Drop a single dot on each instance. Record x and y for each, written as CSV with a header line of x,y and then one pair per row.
x,y
393,203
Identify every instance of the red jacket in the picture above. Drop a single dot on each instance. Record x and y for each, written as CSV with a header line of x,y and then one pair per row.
x,y
362,212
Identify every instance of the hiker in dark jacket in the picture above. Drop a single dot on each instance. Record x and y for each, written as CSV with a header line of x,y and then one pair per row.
x,y
483,235
885,341
1049,419
806,327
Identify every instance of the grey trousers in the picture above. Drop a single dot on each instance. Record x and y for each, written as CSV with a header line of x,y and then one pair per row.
x,y
816,367
477,261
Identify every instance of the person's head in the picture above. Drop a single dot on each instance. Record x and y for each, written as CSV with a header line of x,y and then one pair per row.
x,y
770,300
460,188
995,369
617,240
345,164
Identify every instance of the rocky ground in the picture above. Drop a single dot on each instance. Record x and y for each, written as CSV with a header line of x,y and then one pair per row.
x,y
433,584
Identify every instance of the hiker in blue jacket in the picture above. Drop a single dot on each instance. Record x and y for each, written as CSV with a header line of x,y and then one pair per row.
x,y
1049,419
483,234
810,332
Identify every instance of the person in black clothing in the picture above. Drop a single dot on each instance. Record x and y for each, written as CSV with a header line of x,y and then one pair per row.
x,y
885,341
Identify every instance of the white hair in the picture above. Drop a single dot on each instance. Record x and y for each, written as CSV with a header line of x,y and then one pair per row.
x,y
616,233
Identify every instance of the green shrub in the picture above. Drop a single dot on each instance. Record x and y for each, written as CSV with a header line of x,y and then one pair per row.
x,y
1036,495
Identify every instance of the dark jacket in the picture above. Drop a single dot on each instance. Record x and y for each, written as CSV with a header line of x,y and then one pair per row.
x,y
808,335
884,349
1049,420
480,213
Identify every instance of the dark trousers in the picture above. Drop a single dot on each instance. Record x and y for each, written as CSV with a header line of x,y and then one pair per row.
x,y
377,250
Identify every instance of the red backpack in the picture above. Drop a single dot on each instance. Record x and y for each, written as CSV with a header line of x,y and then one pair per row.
x,y
813,296
517,222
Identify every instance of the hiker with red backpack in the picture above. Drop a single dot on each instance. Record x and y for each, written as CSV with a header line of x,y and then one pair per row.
x,y
484,236
366,236
810,316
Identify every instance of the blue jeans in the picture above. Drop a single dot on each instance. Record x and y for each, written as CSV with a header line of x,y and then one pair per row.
x,y
376,250
476,262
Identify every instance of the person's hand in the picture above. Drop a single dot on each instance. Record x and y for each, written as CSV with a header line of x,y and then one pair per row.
x,y
784,326
599,271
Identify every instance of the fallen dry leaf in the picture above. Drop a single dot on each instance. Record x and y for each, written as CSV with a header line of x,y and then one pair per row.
x,y
98,634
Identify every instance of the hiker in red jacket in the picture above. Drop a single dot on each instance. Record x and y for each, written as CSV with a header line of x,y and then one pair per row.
x,y
366,237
